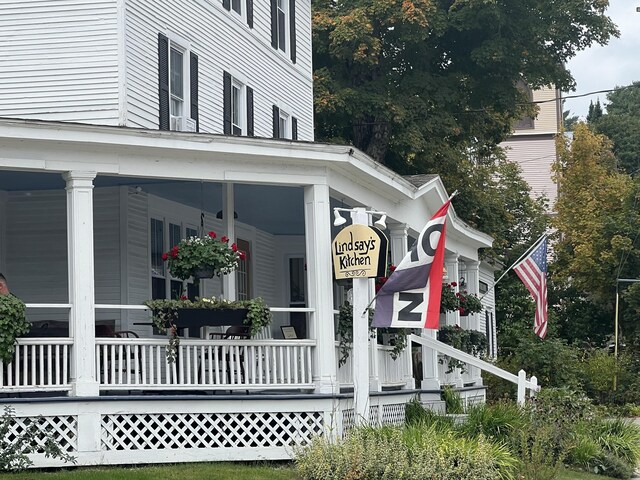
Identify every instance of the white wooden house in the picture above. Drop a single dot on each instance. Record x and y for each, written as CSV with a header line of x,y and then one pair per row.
x,y
213,95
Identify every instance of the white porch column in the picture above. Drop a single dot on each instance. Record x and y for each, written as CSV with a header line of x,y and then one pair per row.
x,y
398,235
81,282
229,222
472,278
453,272
319,279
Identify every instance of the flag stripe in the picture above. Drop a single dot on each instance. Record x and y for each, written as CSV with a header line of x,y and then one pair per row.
x,y
533,273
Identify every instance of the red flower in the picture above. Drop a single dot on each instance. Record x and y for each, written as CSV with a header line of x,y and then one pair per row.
x,y
165,256
458,294
392,268
174,250
461,310
184,297
454,284
212,234
225,239
174,253
234,247
242,255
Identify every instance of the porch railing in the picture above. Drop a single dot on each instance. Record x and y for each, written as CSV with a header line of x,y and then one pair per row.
x,y
391,373
141,364
40,364
520,380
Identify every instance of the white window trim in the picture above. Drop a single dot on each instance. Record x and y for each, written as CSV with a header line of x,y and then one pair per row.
x,y
285,111
179,43
242,106
287,30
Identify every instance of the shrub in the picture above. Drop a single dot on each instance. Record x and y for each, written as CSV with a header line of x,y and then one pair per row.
x,y
497,422
415,452
15,446
417,415
452,400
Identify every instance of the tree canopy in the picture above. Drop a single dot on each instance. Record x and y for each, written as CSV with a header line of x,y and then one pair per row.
x,y
621,123
597,216
418,83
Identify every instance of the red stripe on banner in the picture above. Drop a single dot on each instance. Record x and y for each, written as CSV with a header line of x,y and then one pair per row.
x,y
435,280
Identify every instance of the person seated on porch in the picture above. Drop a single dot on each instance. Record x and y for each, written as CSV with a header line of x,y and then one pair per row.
x,y
4,286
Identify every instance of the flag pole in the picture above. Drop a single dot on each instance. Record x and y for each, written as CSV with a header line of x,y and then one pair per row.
x,y
535,244
455,192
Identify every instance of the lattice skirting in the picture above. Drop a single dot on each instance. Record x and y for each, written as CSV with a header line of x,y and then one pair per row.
x,y
64,429
158,430
208,430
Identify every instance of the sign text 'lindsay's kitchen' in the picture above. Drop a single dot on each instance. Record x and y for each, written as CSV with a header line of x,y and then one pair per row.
x,y
357,251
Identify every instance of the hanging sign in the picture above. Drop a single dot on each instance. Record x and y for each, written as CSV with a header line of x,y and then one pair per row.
x,y
358,251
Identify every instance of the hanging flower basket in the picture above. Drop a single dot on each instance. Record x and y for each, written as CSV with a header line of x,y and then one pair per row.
x,y
203,257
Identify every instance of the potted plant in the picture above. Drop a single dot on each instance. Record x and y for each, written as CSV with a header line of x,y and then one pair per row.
x,y
345,332
13,324
203,257
469,341
463,301
469,303
166,315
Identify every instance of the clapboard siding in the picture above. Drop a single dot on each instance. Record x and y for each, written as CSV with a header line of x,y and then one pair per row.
x,y
36,261
59,60
535,156
106,242
222,43
264,267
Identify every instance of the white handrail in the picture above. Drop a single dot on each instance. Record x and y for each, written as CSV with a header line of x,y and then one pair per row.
x,y
448,350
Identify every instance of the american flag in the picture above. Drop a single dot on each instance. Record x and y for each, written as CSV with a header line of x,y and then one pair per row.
x,y
533,273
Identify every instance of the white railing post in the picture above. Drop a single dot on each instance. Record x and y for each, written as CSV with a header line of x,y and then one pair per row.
x,y
533,386
522,384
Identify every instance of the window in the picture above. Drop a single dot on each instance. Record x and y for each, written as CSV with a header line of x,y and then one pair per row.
x,y
284,125
178,85
238,106
483,287
243,272
163,285
526,122
176,82
237,7
283,27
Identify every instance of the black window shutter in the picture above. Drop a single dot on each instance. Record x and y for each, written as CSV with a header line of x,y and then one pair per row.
x,y
292,29
294,128
250,131
274,23
276,122
163,81
250,13
227,102
193,91
226,4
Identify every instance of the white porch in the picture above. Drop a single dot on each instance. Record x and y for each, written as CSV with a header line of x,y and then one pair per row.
x,y
92,264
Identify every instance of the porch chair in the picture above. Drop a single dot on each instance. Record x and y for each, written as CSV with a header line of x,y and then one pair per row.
x,y
234,332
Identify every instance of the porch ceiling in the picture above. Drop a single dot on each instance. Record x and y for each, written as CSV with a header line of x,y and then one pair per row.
x,y
278,210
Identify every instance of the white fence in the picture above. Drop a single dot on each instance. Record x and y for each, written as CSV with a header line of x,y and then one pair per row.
x,y
391,372
39,364
141,364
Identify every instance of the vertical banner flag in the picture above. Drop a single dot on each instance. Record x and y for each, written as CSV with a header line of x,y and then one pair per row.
x,y
410,298
533,273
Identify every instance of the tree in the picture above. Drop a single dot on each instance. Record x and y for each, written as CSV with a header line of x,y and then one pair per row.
x,y
621,124
413,83
568,120
595,112
597,216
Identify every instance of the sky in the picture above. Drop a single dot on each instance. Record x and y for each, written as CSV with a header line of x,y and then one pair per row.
x,y
615,64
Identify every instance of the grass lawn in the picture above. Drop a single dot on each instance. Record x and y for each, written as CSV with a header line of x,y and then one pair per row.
x,y
196,471
187,471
